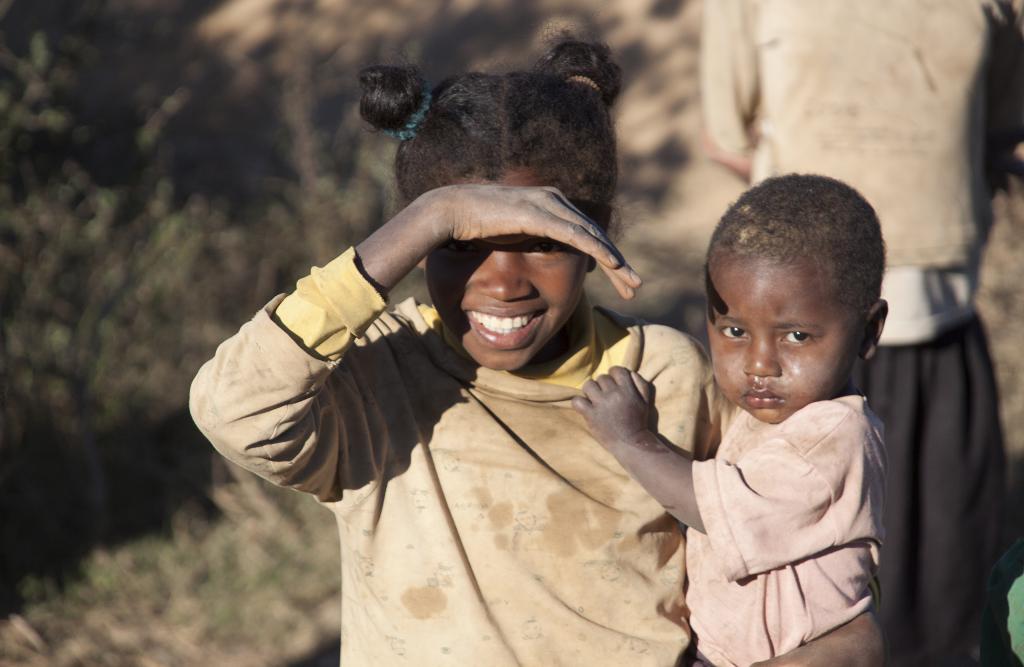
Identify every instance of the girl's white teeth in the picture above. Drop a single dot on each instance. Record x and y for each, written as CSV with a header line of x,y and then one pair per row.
x,y
500,324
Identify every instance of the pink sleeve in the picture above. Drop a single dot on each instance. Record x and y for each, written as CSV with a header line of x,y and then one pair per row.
x,y
766,510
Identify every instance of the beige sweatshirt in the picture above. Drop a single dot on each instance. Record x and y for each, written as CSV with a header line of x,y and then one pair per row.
x,y
480,523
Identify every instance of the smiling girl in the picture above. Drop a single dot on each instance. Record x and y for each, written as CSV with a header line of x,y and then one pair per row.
x,y
480,523
786,520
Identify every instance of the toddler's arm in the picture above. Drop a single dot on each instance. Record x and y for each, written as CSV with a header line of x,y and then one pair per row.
x,y
617,410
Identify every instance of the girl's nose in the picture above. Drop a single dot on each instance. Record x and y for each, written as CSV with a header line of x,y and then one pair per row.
x,y
502,275
761,360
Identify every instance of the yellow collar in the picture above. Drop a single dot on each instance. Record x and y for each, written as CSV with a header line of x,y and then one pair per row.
x,y
597,344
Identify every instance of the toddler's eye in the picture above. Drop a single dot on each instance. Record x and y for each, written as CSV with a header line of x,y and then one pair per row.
x,y
732,332
797,336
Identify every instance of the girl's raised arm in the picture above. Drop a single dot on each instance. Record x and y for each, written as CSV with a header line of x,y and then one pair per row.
x,y
476,211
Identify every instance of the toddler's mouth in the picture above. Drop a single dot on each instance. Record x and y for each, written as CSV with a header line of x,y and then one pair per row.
x,y
760,399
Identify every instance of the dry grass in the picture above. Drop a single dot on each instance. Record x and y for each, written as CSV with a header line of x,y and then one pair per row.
x,y
258,586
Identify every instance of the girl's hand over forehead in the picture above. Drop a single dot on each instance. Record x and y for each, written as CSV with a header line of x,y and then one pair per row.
x,y
475,211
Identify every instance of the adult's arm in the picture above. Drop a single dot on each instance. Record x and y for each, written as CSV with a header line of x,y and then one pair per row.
x,y
730,90
859,643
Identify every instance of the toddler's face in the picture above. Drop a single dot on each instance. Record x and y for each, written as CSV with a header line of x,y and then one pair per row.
x,y
779,338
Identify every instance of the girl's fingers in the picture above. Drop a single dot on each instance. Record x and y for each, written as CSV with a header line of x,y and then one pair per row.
x,y
567,211
545,212
578,234
588,237
625,285
588,225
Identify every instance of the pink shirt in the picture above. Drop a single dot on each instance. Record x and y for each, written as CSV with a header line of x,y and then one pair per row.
x,y
793,514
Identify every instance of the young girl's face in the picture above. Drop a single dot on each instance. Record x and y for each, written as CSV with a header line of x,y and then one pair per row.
x,y
507,298
779,338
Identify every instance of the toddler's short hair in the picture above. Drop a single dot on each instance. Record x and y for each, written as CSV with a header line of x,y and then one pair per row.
x,y
789,218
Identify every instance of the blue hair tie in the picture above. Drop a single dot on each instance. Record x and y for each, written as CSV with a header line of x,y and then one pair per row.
x,y
412,126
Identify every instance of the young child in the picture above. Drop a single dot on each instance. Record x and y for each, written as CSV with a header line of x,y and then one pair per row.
x,y
786,519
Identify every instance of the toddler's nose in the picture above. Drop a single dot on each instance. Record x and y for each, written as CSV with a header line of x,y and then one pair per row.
x,y
761,362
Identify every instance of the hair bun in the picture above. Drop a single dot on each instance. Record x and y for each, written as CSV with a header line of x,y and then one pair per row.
x,y
588,62
391,95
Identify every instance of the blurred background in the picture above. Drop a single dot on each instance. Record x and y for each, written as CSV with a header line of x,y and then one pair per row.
x,y
166,166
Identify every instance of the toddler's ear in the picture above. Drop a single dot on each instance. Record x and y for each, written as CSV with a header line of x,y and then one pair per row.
x,y
873,325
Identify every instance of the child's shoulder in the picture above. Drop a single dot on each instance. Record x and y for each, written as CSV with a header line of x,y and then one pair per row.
x,y
662,344
657,337
845,420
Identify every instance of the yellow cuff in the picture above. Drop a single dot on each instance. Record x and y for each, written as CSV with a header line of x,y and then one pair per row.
x,y
331,307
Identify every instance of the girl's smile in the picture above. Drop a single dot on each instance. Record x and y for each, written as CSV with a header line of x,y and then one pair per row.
x,y
505,331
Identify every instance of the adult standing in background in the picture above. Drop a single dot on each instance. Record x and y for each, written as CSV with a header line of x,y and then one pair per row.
x,y
901,100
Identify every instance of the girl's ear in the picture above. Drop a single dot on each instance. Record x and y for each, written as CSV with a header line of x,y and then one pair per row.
x,y
873,325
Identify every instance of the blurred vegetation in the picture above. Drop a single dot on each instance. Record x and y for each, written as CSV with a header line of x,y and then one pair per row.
x,y
111,295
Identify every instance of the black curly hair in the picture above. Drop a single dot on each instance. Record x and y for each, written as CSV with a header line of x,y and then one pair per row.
x,y
788,218
553,120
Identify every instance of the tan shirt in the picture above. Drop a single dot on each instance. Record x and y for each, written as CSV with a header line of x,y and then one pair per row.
x,y
793,514
480,523
895,98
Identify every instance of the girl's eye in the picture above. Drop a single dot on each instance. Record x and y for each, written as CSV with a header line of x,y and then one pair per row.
x,y
732,332
797,336
547,246
459,246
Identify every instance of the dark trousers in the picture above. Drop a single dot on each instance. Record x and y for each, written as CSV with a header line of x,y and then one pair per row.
x,y
944,491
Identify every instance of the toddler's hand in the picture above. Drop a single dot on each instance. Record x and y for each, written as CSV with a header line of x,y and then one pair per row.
x,y
616,407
